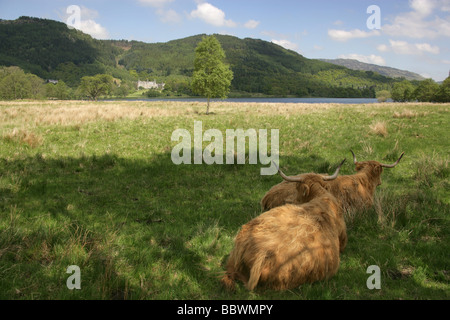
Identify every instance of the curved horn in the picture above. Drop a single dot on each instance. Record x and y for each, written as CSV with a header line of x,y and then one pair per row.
x,y
335,175
285,177
392,165
300,179
354,157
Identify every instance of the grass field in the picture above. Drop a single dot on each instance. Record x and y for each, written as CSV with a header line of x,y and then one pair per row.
x,y
93,185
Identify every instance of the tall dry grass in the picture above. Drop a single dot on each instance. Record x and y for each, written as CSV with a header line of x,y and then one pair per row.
x,y
408,114
17,113
379,128
79,112
24,136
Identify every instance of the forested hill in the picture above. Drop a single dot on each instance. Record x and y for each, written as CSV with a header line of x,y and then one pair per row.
x,y
51,50
386,71
259,67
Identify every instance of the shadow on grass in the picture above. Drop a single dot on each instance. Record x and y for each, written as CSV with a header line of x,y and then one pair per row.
x,y
144,207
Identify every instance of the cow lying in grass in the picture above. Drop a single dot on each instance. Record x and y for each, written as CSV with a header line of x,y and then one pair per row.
x,y
354,191
291,245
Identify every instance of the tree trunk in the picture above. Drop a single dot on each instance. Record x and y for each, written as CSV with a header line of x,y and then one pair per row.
x,y
207,107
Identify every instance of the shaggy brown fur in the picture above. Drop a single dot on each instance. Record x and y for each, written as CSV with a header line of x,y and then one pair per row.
x,y
290,245
354,191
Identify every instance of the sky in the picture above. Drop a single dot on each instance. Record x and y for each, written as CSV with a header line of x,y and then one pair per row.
x,y
412,35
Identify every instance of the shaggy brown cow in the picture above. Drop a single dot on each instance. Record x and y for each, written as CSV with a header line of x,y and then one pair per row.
x,y
354,191
291,245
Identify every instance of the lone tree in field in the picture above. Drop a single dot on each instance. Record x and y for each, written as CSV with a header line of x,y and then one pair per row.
x,y
96,86
212,77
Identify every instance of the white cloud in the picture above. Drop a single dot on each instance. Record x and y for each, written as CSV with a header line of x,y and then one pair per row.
x,y
343,36
421,22
82,18
425,47
168,16
93,29
155,3
251,24
423,7
373,59
87,13
405,48
383,48
286,44
212,15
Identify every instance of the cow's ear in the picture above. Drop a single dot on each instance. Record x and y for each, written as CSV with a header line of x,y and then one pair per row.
x,y
379,170
305,190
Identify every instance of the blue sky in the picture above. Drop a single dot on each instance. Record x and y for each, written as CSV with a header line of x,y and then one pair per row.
x,y
414,34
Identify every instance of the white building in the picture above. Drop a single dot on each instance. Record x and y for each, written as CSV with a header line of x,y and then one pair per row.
x,y
150,85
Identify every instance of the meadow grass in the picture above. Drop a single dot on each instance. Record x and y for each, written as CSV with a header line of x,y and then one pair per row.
x,y
93,185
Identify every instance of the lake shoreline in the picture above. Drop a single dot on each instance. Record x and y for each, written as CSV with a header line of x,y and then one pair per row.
x,y
256,100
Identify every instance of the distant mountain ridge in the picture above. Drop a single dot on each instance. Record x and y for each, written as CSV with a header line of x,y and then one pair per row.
x,y
385,71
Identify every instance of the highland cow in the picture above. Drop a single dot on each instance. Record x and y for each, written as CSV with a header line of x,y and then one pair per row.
x,y
353,191
291,245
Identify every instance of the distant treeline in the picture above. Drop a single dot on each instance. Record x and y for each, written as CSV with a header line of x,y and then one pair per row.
x,y
15,83
426,91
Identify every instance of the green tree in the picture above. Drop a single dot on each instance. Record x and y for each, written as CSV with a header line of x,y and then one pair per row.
x,y
37,89
383,95
62,91
153,93
403,91
95,86
212,77
122,90
134,74
14,84
58,91
444,91
427,91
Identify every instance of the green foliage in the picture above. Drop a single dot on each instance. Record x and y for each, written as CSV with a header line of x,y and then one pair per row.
x,y
124,89
383,95
258,67
427,91
383,71
37,89
58,91
443,94
51,50
178,85
212,77
153,93
16,84
95,86
403,91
